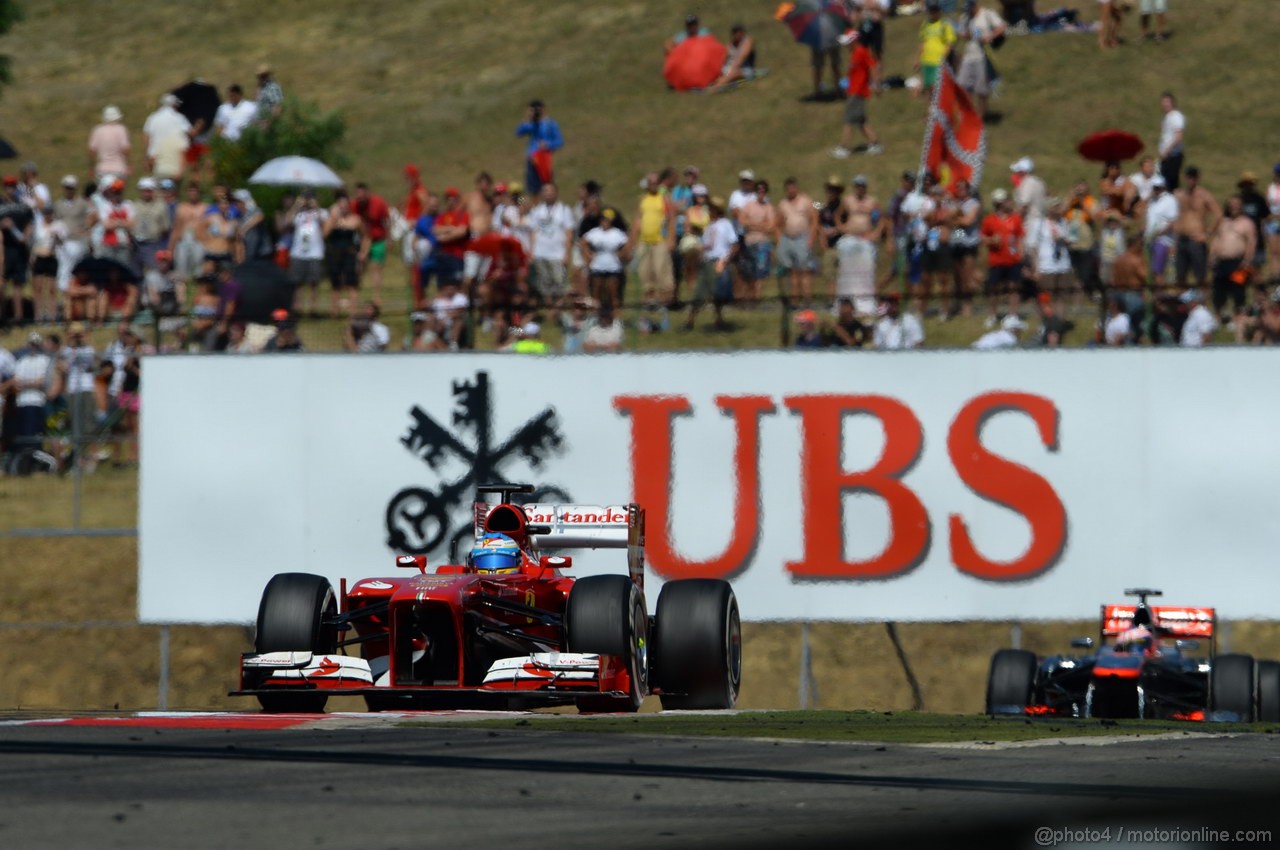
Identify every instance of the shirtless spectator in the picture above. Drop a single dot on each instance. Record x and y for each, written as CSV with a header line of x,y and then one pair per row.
x,y
109,148
478,204
1230,250
1129,281
1112,188
759,221
234,115
861,227
376,216
1198,214
184,238
798,222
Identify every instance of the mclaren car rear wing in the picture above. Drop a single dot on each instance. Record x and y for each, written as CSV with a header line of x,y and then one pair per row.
x,y
571,527
1178,621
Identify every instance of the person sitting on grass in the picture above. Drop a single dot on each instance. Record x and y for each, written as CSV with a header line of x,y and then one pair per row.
x,y
740,63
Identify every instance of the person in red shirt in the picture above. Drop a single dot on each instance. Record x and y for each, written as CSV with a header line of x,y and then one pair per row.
x,y
453,231
1002,233
864,83
415,204
376,215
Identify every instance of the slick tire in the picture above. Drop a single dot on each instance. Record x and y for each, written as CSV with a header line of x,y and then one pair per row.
x,y
698,645
1269,691
605,615
296,615
1232,688
1011,681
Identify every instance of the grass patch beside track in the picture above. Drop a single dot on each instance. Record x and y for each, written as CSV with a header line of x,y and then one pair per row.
x,y
902,727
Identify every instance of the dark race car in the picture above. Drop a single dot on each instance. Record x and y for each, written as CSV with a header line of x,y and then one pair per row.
x,y
506,629
1152,661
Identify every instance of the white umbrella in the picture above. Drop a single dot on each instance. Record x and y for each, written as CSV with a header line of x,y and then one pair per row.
x,y
295,171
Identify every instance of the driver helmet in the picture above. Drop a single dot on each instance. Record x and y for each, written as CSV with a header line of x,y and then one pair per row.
x,y
494,553
1137,639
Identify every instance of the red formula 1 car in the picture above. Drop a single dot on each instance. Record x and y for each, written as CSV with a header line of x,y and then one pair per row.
x,y
507,629
1152,661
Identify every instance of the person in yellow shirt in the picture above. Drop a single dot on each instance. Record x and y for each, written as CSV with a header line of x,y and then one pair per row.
x,y
936,38
654,236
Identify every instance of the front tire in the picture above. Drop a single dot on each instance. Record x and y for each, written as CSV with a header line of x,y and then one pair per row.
x,y
296,615
1232,688
698,645
1010,681
605,615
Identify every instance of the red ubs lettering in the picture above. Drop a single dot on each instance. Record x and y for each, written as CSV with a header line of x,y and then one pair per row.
x,y
824,481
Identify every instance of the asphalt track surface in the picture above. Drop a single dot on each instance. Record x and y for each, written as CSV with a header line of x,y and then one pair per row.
x,y
214,781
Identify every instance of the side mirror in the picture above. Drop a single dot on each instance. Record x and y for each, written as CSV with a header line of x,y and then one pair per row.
x,y
1082,643
555,562
411,562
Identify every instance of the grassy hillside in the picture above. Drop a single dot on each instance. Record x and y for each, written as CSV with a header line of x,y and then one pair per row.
x,y
441,83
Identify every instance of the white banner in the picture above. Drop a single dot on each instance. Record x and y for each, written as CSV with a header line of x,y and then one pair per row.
x,y
825,485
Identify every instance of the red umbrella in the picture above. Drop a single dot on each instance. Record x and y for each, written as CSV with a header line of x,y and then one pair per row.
x,y
694,63
1110,146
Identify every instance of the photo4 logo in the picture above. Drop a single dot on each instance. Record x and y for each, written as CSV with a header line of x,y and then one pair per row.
x,y
824,481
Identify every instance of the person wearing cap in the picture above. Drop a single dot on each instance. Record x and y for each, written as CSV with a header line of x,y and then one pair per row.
x,y
31,191
530,340
1172,128
864,84
270,97
715,282
35,378
745,192
109,148
545,139
115,218
1161,216
1030,192
605,247
807,335
1008,335
1233,245
759,222
166,134
739,62
692,29
234,114
1198,214
653,236
424,333
1048,251
1197,330
936,38
1003,233
551,225
696,219
151,224
71,211
797,239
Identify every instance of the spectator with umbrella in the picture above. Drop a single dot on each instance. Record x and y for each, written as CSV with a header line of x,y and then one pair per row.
x,y
818,24
99,282
198,102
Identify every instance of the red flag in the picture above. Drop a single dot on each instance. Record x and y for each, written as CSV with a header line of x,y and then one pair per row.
x,y
541,160
955,142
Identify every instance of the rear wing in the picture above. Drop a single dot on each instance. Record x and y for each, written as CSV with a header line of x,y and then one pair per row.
x,y
1170,620
547,526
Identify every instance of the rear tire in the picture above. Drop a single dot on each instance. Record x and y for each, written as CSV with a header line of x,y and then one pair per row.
x,y
1011,681
1269,691
296,615
605,615
698,645
1232,687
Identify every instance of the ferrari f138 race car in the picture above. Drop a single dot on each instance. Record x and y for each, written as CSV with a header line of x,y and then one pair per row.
x,y
1152,661
506,629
